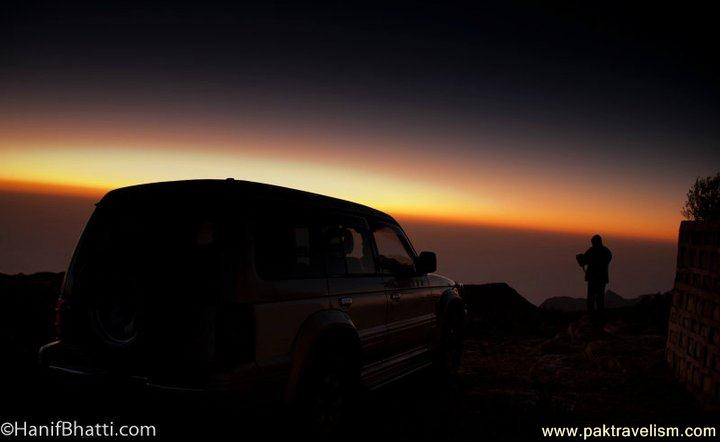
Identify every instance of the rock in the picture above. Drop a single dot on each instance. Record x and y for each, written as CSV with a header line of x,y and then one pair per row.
x,y
558,344
586,329
602,355
27,310
568,304
497,306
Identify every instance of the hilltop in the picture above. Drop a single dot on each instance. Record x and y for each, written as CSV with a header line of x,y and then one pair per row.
x,y
523,367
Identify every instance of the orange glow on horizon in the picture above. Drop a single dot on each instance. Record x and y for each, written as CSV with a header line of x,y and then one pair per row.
x,y
46,188
548,227
396,176
96,192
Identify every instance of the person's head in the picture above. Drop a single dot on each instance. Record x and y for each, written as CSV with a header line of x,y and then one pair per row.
x,y
596,240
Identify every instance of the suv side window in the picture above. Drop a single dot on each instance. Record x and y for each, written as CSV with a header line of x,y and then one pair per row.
x,y
394,252
348,247
287,249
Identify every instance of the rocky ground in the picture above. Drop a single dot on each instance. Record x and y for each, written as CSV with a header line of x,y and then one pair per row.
x,y
555,370
522,368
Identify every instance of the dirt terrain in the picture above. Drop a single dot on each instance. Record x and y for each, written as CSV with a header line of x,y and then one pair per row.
x,y
565,370
522,369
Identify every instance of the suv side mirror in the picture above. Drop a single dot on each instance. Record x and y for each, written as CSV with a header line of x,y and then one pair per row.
x,y
426,262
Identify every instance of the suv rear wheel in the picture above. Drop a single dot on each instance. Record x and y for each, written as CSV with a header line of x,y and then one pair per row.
x,y
329,389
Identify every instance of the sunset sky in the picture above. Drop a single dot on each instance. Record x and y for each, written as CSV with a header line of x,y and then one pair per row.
x,y
571,119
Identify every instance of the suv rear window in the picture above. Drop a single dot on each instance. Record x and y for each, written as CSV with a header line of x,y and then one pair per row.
x,y
286,249
163,247
147,234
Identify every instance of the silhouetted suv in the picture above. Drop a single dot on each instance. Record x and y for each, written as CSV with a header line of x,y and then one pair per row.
x,y
233,285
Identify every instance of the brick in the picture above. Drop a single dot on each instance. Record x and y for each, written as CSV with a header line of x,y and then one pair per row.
x,y
708,387
693,344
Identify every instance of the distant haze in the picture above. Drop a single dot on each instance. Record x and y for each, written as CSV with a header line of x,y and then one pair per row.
x,y
38,232
541,265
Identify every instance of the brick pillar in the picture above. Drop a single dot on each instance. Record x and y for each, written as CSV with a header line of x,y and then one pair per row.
x,y
693,346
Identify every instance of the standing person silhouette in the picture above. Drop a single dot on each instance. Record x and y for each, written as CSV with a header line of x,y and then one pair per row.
x,y
597,258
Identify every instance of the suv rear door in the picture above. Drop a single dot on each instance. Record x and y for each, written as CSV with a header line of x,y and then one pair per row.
x,y
291,283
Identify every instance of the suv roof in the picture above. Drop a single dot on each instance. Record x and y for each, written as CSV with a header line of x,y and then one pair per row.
x,y
209,190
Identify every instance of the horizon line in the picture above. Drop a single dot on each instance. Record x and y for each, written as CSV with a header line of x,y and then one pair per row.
x,y
88,191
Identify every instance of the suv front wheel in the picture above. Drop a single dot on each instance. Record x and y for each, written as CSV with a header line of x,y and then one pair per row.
x,y
449,349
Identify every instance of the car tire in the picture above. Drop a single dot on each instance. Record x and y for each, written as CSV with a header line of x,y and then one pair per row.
x,y
328,393
449,349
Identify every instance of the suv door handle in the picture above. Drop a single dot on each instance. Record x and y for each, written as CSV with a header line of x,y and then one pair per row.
x,y
395,296
345,301
391,284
